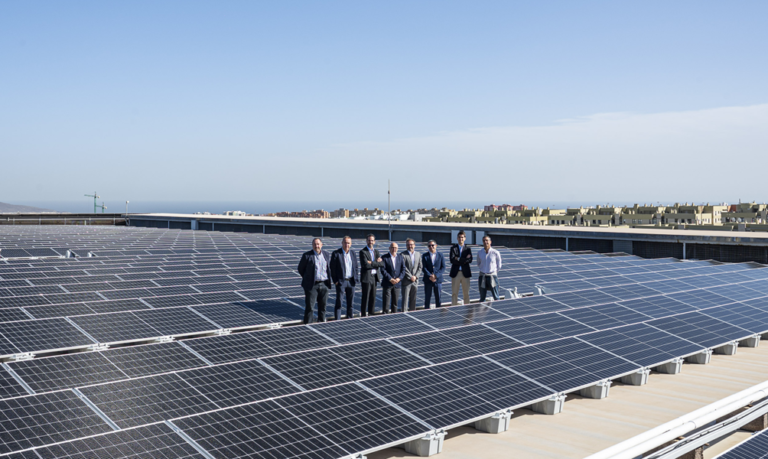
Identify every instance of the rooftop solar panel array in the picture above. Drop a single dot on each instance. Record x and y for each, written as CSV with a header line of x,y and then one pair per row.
x,y
331,389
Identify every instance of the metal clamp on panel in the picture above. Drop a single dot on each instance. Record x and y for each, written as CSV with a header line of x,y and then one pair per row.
x,y
223,331
271,326
22,356
98,347
164,339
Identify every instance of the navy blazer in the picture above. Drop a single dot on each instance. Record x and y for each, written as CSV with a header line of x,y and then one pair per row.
x,y
461,260
389,272
437,269
338,267
307,269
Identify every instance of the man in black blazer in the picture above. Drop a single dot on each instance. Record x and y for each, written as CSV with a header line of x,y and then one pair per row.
x,y
392,273
461,259
344,271
370,263
433,265
315,271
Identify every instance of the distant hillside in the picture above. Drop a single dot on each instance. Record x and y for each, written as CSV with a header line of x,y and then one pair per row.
x,y
10,208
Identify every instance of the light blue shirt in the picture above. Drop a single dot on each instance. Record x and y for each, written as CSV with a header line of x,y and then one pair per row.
x,y
373,258
347,264
321,267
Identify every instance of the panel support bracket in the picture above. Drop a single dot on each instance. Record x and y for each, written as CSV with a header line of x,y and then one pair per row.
x,y
638,378
672,367
497,423
428,445
552,405
702,358
728,349
598,391
752,341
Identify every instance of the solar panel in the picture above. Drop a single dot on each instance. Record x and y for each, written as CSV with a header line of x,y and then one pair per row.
x,y
42,419
441,318
755,447
379,357
259,430
171,301
317,368
66,371
481,338
536,329
353,418
642,344
238,383
276,310
176,321
117,327
393,325
700,329
9,387
435,347
657,306
293,339
743,316
348,331
137,361
151,441
135,402
42,335
12,314
441,408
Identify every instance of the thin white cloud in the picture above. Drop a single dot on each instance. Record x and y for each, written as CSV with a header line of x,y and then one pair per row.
x,y
697,155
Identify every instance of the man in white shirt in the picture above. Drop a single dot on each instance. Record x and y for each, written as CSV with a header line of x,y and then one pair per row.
x,y
489,263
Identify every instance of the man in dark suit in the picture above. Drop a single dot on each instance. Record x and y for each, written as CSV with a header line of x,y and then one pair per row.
x,y
315,270
433,265
461,259
370,262
344,271
392,275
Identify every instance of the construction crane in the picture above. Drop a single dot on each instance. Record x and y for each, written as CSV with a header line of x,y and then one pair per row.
x,y
102,207
95,196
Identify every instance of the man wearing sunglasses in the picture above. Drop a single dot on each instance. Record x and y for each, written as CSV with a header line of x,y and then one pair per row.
x,y
433,265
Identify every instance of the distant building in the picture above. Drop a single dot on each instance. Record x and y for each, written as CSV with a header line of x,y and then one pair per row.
x,y
234,213
494,207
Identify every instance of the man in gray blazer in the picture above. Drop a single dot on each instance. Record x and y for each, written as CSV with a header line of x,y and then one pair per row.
x,y
410,283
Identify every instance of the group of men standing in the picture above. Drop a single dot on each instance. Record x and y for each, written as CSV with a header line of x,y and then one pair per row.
x,y
398,273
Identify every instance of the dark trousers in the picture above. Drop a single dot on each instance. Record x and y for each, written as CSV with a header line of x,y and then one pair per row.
x,y
346,288
319,294
389,298
368,303
484,285
429,289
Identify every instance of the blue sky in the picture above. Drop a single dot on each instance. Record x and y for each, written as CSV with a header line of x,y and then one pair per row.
x,y
594,100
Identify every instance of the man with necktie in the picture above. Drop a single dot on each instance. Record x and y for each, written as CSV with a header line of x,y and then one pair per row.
x,y
370,262
344,271
392,275
315,270
433,264
410,283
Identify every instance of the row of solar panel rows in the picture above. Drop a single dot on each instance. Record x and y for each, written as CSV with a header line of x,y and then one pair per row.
x,y
138,325
469,389
35,336
126,326
222,280
459,337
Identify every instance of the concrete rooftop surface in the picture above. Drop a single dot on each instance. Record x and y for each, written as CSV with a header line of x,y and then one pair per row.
x,y
587,426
